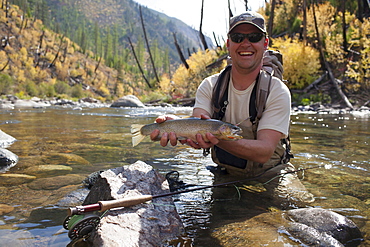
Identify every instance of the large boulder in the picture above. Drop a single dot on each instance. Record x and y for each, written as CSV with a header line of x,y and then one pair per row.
x,y
6,140
147,224
321,227
7,159
128,101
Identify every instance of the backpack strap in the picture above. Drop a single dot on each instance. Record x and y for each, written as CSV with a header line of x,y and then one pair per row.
x,y
263,91
220,94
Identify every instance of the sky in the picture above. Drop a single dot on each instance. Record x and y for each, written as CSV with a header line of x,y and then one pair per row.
x,y
215,15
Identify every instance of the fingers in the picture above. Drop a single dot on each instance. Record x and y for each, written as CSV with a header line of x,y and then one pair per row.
x,y
207,142
203,116
168,137
154,135
163,118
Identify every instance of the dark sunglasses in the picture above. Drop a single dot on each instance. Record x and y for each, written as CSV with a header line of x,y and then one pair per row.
x,y
252,37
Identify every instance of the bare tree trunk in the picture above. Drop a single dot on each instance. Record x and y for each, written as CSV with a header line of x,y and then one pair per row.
x,y
202,38
326,64
138,63
304,22
183,60
147,44
344,31
217,44
271,19
230,12
2,69
246,5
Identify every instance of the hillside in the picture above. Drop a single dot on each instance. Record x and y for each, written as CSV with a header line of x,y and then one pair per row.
x,y
120,19
36,61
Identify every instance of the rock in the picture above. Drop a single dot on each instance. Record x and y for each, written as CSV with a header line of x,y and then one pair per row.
x,y
44,170
74,198
91,179
53,183
323,227
7,159
4,209
146,224
15,179
6,140
30,104
12,238
128,101
296,227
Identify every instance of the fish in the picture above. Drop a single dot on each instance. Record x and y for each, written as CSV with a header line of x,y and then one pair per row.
x,y
187,128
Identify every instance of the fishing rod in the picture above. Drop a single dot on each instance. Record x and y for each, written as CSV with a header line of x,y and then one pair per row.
x,y
80,226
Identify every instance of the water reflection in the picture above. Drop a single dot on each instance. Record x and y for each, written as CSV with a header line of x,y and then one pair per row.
x,y
88,140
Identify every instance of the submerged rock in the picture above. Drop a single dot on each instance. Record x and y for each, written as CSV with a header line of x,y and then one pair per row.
x,y
146,224
43,170
321,227
53,183
296,227
9,179
4,209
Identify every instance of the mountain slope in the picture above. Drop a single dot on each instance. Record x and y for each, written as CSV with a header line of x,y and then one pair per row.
x,y
124,17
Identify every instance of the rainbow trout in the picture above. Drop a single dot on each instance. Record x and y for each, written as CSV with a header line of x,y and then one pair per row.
x,y
187,128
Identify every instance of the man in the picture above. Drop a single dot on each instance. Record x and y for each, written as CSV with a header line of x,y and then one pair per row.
x,y
261,152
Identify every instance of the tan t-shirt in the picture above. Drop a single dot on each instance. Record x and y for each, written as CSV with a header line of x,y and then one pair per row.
x,y
276,115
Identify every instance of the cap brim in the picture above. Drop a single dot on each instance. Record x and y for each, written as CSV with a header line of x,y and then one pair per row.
x,y
246,22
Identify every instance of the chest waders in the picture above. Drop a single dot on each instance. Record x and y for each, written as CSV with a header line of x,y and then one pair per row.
x,y
232,163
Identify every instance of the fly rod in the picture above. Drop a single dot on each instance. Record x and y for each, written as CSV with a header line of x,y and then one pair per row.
x,y
132,201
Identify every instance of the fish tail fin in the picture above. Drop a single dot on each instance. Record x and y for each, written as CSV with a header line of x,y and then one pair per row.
x,y
137,137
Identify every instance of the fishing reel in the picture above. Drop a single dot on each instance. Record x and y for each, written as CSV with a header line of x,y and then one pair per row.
x,y
80,226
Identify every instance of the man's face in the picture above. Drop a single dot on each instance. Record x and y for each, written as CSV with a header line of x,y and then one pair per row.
x,y
246,56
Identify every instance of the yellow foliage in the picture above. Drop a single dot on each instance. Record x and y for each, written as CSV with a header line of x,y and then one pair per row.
x,y
77,72
301,63
165,84
360,70
103,89
186,81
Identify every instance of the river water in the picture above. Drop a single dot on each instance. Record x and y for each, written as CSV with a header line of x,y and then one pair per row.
x,y
59,147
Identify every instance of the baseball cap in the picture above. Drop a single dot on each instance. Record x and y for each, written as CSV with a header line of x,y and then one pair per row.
x,y
249,17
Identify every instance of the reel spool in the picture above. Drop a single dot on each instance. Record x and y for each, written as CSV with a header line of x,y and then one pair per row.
x,y
81,226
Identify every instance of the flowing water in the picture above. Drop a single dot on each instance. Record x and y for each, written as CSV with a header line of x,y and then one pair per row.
x,y
59,147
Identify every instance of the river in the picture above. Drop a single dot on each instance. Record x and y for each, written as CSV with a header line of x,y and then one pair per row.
x,y
66,145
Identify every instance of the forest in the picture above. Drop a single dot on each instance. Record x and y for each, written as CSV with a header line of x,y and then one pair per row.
x,y
52,49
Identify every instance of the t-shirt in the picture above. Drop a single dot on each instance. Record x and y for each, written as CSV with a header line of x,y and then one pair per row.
x,y
276,115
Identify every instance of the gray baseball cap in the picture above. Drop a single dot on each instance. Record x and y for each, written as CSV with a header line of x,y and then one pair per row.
x,y
249,17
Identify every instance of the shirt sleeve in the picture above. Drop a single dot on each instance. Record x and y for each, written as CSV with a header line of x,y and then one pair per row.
x,y
203,98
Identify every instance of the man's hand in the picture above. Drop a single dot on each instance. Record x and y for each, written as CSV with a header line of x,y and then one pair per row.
x,y
201,143
171,137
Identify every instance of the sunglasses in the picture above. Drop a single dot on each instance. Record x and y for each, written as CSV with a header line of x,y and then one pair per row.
x,y
252,37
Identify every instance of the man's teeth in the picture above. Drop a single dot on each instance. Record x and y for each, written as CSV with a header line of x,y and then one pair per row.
x,y
245,53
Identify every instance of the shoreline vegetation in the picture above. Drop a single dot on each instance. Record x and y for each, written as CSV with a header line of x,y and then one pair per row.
x,y
12,102
324,49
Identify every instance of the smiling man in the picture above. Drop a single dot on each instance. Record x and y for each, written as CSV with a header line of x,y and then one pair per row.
x,y
245,94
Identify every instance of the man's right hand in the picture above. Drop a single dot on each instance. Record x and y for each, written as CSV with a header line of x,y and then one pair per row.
x,y
171,137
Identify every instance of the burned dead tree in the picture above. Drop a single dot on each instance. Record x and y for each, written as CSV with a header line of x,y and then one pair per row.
x,y
147,45
138,63
201,35
183,60
326,64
